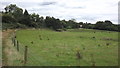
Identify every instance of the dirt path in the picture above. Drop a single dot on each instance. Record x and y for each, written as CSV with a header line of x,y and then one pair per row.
x,y
5,46
9,54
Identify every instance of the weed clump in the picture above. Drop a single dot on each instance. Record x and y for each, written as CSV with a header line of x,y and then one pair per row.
x,y
40,37
107,44
83,48
78,55
48,38
93,37
99,45
31,42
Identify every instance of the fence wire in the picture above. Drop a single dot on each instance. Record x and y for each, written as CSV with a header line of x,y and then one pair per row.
x,y
31,57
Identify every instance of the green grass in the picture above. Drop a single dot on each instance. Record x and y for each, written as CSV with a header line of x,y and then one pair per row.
x,y
61,48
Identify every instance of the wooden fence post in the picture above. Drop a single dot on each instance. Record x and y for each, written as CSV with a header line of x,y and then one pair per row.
x,y
5,29
17,45
14,42
25,55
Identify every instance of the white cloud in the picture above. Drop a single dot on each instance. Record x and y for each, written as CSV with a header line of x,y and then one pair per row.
x,y
82,10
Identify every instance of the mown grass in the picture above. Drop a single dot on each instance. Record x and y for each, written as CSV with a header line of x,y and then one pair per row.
x,y
50,48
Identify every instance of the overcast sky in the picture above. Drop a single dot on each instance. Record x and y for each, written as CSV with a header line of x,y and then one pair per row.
x,y
82,10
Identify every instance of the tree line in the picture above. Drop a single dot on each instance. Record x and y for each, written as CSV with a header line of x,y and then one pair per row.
x,y
14,17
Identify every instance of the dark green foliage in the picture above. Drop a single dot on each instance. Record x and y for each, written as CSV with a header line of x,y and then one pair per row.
x,y
99,45
37,21
14,17
106,25
53,23
88,25
6,18
26,19
102,25
31,42
93,37
107,44
14,11
72,24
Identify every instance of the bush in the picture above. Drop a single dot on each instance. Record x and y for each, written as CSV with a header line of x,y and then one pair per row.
x,y
7,18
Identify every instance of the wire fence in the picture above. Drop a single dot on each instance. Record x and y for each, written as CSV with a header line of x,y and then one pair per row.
x,y
21,48
28,56
25,52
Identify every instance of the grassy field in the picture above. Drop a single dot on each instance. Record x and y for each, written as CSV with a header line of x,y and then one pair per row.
x,y
50,48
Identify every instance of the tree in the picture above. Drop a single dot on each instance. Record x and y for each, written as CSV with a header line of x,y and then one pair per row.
x,y
64,24
41,22
15,17
99,25
72,24
34,17
104,25
107,22
38,20
26,19
53,23
26,13
14,11
81,23
6,18
10,8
